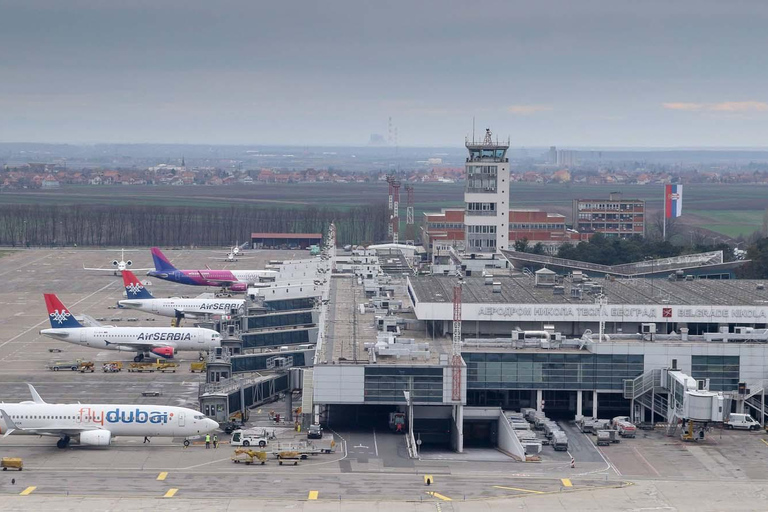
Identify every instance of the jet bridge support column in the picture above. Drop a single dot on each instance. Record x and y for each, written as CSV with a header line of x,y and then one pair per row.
x,y
594,404
579,404
539,400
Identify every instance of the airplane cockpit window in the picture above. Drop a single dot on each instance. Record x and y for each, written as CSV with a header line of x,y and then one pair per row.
x,y
199,417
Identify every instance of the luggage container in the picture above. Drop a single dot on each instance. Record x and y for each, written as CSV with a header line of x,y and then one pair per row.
x,y
603,438
626,429
532,447
560,441
12,462
550,427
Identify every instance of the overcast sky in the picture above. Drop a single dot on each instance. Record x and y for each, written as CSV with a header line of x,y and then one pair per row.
x,y
563,72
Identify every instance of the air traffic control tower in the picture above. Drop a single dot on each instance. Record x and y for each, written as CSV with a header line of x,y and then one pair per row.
x,y
486,196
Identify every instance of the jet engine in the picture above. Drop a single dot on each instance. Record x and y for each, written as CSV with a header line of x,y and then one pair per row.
x,y
95,437
115,263
166,352
128,263
238,287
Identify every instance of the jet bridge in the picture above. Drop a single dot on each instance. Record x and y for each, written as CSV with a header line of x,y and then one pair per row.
x,y
677,398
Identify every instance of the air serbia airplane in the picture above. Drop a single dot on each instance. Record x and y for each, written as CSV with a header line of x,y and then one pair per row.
x,y
96,425
234,280
140,298
160,341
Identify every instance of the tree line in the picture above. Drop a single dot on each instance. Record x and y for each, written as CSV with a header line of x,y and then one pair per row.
x,y
141,225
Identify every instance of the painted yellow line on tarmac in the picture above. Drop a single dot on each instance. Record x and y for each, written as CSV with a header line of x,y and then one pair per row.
x,y
162,475
439,496
566,482
764,441
518,489
312,495
27,491
171,493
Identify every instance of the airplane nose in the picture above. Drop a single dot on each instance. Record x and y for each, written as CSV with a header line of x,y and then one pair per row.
x,y
212,425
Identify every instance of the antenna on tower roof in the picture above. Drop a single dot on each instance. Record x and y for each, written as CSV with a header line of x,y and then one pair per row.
x,y
488,138
473,129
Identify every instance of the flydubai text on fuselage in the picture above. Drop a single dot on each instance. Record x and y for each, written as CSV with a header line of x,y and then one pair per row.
x,y
138,297
98,424
235,280
161,341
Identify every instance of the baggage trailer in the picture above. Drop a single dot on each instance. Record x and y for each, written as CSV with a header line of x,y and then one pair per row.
x,y
13,463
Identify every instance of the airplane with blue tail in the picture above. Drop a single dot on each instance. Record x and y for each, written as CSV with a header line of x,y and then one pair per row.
x,y
232,280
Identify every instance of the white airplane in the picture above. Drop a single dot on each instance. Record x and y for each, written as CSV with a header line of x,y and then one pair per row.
x,y
138,297
235,253
96,425
117,266
160,341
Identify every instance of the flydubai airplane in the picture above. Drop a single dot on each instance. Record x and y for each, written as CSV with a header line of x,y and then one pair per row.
x,y
233,280
160,341
96,425
138,297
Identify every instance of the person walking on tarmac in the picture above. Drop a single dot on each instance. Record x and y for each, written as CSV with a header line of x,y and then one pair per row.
x,y
146,439
215,441
207,441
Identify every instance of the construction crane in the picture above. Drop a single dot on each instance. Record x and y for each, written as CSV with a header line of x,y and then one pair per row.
x,y
390,204
410,227
456,359
395,210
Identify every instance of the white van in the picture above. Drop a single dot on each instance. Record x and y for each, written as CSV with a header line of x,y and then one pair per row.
x,y
743,421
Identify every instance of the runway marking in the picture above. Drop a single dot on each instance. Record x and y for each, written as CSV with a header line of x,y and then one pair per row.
x,y
429,479
375,444
162,475
47,320
764,441
566,482
439,496
518,489
171,493
27,491
14,269
312,495
645,460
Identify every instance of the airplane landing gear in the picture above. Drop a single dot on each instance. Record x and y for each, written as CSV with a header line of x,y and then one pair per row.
x,y
63,442
139,358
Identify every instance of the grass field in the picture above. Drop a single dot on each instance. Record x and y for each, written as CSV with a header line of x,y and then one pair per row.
x,y
727,209
731,223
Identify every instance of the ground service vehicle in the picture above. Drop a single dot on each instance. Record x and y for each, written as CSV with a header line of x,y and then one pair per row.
x,y
66,365
741,421
315,432
197,367
295,457
248,456
397,422
603,438
86,366
626,429
13,463
242,438
112,367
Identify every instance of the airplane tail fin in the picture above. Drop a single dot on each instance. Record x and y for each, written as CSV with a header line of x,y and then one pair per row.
x,y
58,313
133,287
35,395
161,262
10,426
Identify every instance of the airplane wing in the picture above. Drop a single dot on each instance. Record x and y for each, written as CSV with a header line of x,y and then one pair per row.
x,y
113,269
47,431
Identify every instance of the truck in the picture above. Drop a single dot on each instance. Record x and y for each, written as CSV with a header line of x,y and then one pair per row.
x,y
243,438
68,365
626,429
559,441
397,422
603,437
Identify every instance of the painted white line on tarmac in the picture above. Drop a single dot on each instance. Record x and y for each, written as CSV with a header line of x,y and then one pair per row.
x,y
46,320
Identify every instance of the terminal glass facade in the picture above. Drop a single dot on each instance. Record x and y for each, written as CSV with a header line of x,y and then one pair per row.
x,y
275,339
267,321
386,384
551,370
722,371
